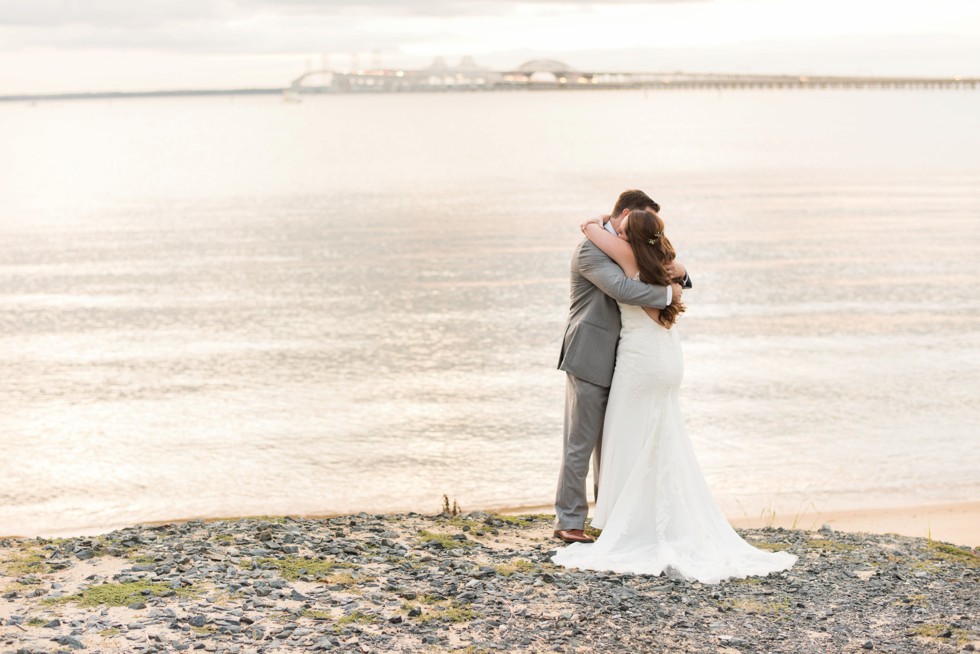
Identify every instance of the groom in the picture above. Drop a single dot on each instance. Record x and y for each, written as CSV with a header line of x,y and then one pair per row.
x,y
588,355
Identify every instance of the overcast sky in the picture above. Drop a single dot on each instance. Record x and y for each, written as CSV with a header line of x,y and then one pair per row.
x,y
90,45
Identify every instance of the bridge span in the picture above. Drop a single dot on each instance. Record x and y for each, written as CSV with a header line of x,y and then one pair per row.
x,y
555,75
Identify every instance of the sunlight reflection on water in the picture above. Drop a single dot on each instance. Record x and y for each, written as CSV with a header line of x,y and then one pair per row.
x,y
254,312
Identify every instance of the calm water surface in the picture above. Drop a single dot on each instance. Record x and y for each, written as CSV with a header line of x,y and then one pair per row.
x,y
218,306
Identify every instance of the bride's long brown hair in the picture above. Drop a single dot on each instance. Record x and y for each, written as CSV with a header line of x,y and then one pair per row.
x,y
653,251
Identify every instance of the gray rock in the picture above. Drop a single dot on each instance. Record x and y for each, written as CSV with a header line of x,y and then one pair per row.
x,y
70,642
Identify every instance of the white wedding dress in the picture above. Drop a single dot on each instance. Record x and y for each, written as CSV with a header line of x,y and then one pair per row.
x,y
655,509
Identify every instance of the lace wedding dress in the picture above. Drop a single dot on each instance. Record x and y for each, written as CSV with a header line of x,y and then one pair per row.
x,y
655,509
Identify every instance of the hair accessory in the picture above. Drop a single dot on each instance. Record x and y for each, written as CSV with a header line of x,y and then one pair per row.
x,y
653,241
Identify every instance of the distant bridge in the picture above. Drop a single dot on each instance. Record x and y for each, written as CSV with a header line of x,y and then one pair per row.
x,y
547,74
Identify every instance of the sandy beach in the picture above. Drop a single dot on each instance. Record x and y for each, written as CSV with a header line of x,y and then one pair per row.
x,y
951,523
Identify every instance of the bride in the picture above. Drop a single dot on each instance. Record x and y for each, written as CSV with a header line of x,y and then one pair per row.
x,y
654,507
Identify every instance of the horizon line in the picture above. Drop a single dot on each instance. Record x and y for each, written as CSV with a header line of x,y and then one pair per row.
x,y
708,77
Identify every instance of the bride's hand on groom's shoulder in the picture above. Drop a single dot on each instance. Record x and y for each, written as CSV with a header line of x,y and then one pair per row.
x,y
598,221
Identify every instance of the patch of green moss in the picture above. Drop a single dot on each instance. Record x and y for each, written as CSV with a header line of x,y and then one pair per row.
x,y
277,519
929,565
122,594
110,632
954,554
766,545
931,630
345,579
832,545
292,568
512,520
451,612
316,614
107,546
914,600
447,541
224,538
515,566
29,562
943,631
456,614
592,531
357,617
141,559
36,622
460,521
206,630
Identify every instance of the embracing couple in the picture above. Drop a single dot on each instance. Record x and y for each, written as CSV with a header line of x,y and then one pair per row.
x,y
624,366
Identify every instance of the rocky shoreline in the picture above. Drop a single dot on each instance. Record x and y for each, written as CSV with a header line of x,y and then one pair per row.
x,y
465,583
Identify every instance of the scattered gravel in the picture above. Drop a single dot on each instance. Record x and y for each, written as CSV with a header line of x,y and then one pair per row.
x,y
470,583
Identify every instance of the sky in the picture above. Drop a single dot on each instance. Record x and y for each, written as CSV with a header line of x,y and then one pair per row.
x,y
57,46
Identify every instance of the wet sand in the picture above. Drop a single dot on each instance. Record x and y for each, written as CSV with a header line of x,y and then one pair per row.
x,y
952,523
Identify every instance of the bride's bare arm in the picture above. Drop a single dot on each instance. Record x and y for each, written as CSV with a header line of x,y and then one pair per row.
x,y
615,248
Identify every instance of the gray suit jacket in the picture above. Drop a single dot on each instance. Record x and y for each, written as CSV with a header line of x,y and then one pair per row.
x,y
588,350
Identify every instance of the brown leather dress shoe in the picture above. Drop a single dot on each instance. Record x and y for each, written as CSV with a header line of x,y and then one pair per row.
x,y
573,536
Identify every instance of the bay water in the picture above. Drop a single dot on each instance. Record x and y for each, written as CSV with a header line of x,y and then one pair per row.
x,y
222,306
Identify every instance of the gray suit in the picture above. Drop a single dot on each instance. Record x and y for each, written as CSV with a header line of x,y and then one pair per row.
x,y
588,355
